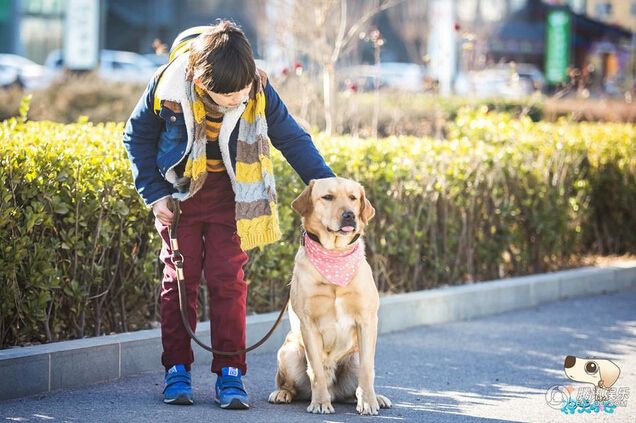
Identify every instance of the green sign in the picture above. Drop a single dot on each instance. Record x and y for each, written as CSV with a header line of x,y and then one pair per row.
x,y
557,46
5,11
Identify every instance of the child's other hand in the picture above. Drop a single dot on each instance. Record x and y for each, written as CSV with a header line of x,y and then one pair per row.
x,y
162,212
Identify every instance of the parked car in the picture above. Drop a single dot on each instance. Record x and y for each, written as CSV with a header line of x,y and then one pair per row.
x,y
402,76
395,75
158,59
9,76
114,65
19,71
507,80
531,73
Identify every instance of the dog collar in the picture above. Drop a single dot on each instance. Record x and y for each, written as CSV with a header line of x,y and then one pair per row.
x,y
315,238
338,267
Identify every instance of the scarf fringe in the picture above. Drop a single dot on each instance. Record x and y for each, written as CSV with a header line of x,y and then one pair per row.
x,y
259,239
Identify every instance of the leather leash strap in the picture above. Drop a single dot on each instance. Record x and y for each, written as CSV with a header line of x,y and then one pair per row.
x,y
177,260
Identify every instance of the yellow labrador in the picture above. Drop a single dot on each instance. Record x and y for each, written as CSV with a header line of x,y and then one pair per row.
x,y
329,353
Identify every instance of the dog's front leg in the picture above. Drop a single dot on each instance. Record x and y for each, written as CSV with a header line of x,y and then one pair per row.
x,y
320,398
368,402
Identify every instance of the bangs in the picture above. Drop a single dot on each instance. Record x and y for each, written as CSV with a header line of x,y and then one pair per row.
x,y
230,73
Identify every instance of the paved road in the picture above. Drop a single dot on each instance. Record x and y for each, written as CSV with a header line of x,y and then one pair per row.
x,y
484,370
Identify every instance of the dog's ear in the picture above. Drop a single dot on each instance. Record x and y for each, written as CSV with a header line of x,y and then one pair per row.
x,y
609,372
303,204
366,209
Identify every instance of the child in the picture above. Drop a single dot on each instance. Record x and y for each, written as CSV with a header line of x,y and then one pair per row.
x,y
208,148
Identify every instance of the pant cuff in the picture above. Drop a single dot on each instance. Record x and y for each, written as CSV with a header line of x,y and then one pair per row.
x,y
172,358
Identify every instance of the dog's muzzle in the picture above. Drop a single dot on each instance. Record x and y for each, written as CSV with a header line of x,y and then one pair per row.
x,y
348,222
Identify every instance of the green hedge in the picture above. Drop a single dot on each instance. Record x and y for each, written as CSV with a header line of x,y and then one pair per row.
x,y
500,197
77,245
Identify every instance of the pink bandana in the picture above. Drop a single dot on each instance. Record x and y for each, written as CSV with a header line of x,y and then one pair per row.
x,y
338,267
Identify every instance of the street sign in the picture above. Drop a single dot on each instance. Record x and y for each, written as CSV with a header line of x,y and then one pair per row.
x,y
81,35
557,46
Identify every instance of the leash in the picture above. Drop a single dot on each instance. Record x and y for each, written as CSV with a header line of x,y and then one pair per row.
x,y
177,260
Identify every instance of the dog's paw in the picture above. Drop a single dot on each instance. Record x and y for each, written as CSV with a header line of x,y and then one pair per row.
x,y
320,408
282,396
367,403
384,401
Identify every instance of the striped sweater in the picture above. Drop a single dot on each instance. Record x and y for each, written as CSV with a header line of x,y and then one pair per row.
x,y
213,121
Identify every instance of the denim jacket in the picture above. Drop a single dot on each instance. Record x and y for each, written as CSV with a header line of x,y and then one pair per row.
x,y
156,144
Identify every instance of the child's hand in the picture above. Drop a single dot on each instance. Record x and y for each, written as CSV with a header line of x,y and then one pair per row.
x,y
162,212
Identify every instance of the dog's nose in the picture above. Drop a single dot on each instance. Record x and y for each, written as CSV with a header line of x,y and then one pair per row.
x,y
348,216
569,362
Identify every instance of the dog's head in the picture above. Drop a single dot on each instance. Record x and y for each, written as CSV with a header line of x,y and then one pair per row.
x,y
335,209
592,371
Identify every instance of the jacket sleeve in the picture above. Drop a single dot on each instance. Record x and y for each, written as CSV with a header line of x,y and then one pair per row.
x,y
295,144
140,137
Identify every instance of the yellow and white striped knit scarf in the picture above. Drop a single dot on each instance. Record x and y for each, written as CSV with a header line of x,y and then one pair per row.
x,y
255,190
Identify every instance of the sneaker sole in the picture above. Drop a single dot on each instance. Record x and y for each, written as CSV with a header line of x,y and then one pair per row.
x,y
182,399
235,404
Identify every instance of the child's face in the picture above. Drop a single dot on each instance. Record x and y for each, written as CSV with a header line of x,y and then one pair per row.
x,y
229,99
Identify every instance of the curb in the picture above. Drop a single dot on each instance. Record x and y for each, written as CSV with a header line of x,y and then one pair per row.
x,y
44,368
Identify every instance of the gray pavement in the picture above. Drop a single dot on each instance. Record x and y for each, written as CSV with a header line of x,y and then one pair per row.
x,y
489,369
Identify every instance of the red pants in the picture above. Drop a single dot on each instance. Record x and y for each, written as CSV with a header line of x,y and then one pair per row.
x,y
209,244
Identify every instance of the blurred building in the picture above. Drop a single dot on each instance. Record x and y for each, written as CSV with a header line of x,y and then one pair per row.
x,y
33,28
500,31
615,12
484,32
134,25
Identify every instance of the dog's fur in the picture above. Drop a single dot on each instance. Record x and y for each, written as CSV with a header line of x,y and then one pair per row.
x,y
329,353
600,373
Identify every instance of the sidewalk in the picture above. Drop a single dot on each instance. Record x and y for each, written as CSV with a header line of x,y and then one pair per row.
x,y
488,369
88,376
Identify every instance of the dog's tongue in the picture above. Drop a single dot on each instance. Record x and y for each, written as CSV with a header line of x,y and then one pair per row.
x,y
347,228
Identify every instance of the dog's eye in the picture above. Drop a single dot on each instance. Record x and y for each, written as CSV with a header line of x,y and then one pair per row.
x,y
591,368
328,197
352,197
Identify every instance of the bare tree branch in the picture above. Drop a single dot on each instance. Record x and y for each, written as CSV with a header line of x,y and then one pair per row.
x,y
324,31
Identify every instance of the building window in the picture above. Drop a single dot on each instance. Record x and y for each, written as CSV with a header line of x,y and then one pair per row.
x,y
603,10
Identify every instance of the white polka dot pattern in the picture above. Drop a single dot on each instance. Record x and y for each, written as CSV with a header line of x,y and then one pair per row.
x,y
338,267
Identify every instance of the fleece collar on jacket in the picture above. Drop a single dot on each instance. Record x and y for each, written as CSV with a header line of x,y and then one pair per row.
x,y
174,87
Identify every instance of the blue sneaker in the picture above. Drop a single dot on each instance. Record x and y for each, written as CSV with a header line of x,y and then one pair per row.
x,y
230,392
177,387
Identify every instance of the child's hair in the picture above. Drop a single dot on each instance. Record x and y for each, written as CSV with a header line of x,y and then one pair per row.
x,y
221,59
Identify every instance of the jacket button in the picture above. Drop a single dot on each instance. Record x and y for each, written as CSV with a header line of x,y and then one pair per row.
x,y
173,119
